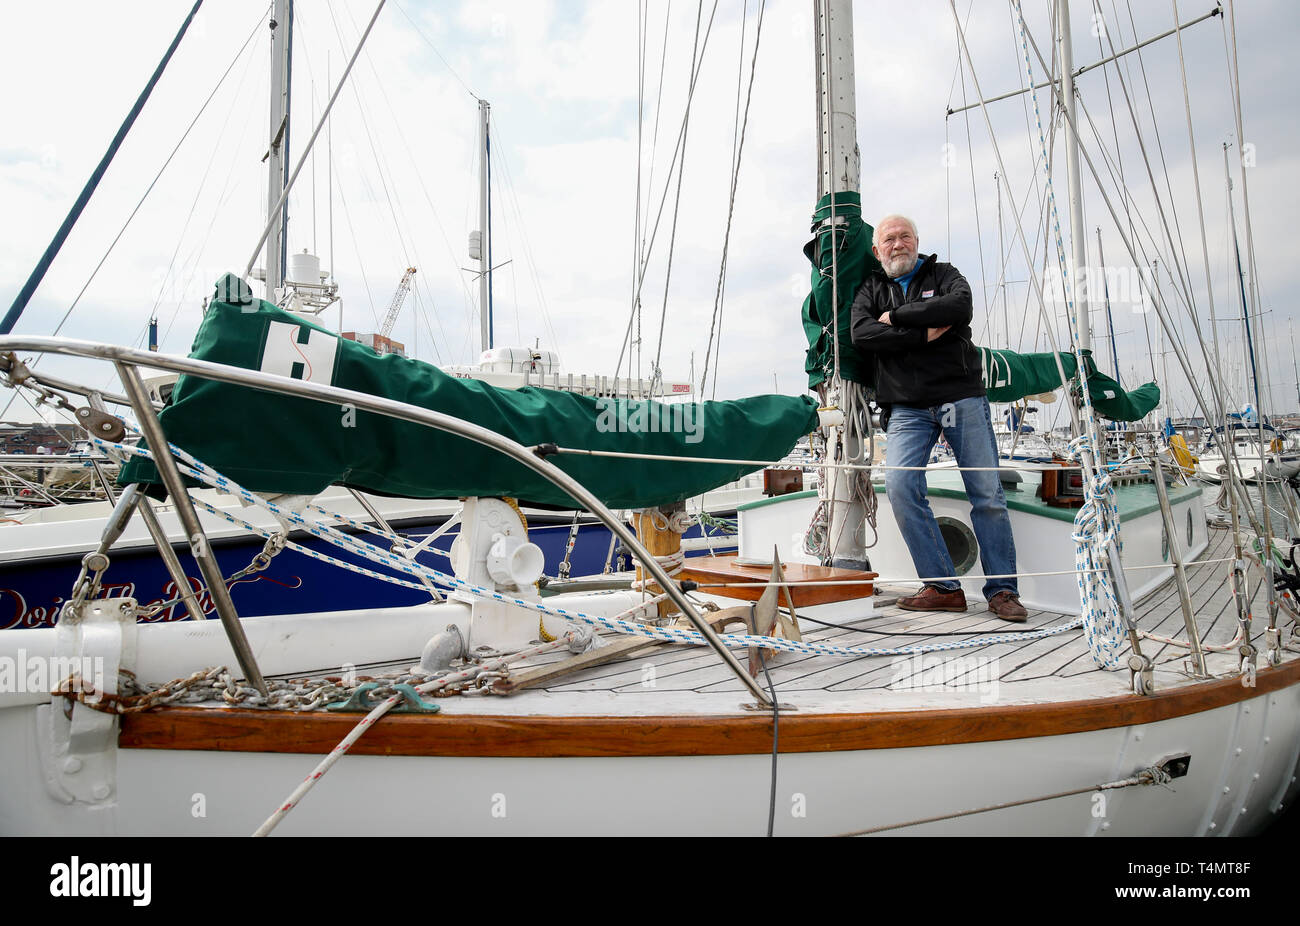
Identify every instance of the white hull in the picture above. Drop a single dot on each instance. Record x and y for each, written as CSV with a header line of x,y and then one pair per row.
x,y
1211,466
1243,767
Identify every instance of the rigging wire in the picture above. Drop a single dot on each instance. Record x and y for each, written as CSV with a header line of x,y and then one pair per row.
x,y
656,371
429,42
737,153
51,251
947,139
1235,85
1174,242
422,282
191,264
664,199
1175,336
180,239
641,257
1165,320
970,159
1126,197
736,143
1114,128
776,734
525,241
275,211
158,175
642,20
356,249
654,135
90,279
1185,274
381,164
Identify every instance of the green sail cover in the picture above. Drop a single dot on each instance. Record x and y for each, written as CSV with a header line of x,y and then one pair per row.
x,y
854,261
275,443
1111,401
1009,377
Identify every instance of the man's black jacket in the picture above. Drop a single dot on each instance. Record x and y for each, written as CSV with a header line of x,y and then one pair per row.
x,y
909,369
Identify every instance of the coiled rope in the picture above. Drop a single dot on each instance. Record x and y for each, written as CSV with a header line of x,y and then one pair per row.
x,y
1096,525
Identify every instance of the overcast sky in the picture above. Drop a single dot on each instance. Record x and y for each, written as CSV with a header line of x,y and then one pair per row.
x,y
562,79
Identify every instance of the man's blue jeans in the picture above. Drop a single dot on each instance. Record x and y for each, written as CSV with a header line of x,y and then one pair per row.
x,y
968,427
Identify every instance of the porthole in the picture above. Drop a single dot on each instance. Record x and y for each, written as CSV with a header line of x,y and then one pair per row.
x,y
962,546
1190,528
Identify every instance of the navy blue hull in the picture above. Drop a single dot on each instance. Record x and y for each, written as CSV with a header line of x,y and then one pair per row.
x,y
32,593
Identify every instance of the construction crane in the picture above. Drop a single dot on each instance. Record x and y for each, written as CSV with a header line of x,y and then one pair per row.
x,y
395,306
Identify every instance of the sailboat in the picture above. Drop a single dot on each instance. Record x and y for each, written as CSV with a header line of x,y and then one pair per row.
x,y
1153,704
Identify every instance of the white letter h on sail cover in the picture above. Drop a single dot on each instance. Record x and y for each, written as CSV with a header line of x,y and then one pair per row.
x,y
300,352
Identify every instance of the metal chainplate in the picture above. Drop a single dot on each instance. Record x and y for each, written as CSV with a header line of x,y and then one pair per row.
x,y
78,744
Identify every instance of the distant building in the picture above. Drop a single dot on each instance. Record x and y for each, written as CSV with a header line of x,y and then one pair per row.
x,y
18,437
377,343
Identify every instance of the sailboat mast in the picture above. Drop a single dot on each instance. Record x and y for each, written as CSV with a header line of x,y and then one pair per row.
x,y
1002,266
1294,371
1247,337
839,167
484,248
839,171
1105,295
1077,241
276,162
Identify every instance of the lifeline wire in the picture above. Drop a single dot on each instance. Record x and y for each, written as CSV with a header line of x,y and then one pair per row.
x,y
669,634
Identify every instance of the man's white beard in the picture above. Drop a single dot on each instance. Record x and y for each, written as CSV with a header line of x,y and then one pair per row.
x,y
898,266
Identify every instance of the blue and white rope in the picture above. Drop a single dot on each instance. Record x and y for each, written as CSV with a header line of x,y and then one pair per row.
x,y
1095,525
306,551
204,474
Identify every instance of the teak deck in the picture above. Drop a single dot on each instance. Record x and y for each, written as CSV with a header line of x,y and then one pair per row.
x,y
1047,686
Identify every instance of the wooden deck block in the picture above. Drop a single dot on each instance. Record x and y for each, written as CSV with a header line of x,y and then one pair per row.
x,y
710,571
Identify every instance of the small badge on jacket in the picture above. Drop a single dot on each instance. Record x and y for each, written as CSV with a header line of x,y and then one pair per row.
x,y
927,294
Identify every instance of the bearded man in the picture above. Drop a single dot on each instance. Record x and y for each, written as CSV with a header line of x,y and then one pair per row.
x,y
913,316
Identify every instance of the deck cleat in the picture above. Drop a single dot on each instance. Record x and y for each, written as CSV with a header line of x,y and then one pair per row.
x,y
360,701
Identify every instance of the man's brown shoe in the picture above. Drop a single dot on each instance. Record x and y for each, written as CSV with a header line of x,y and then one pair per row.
x,y
1008,607
934,599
